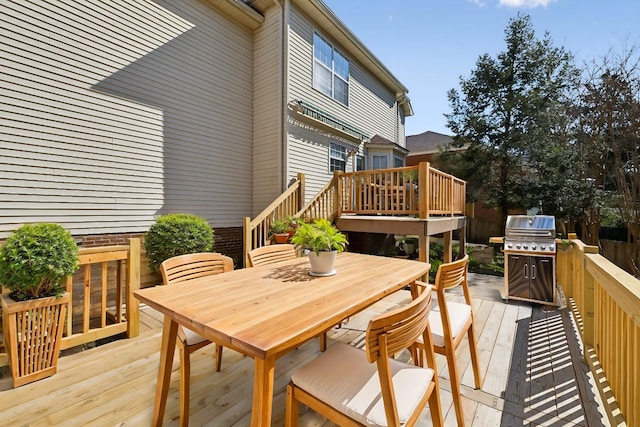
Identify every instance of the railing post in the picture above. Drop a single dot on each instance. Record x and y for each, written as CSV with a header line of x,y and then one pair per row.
x,y
588,297
133,284
301,192
337,176
246,240
423,190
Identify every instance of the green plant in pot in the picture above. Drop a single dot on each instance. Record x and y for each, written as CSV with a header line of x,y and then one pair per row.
x,y
176,234
324,241
279,230
35,263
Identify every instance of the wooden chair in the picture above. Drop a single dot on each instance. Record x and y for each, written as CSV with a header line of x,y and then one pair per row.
x,y
342,386
450,322
271,253
179,269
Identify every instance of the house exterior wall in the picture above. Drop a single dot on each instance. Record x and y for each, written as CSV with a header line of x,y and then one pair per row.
x,y
113,114
267,157
372,106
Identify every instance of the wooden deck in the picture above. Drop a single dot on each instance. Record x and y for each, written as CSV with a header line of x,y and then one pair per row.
x,y
531,367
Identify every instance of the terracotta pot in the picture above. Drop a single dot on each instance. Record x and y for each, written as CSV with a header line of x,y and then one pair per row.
x,y
281,238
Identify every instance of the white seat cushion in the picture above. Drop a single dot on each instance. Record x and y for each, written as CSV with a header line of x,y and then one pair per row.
x,y
191,337
344,379
459,314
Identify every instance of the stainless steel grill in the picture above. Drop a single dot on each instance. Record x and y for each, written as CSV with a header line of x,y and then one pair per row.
x,y
524,233
530,256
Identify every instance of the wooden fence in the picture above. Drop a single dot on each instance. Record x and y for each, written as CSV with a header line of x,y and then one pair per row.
x,y
606,300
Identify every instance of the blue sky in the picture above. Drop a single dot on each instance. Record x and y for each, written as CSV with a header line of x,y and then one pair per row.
x,y
429,44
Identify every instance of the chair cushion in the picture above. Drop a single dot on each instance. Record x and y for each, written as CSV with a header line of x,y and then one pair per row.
x,y
191,337
459,314
344,379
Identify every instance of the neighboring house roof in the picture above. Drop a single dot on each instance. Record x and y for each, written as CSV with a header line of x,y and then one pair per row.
x,y
427,142
378,141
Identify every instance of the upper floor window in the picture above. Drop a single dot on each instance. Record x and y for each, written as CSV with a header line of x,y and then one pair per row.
x,y
337,157
330,71
379,162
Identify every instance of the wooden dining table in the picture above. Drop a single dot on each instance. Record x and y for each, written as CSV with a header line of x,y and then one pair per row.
x,y
266,311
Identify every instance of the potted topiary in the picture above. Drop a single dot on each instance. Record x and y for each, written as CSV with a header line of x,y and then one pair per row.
x,y
35,263
323,241
176,234
279,230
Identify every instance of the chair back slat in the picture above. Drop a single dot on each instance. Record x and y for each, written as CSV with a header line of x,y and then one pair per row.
x,y
270,254
190,266
452,274
400,328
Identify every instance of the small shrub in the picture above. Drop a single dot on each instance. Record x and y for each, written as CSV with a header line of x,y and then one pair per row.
x,y
36,261
177,234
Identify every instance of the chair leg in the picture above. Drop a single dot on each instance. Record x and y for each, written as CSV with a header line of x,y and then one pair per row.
x,y
474,357
185,374
435,407
218,357
292,409
454,379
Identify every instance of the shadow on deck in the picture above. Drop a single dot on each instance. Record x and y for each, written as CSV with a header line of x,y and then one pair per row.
x,y
531,367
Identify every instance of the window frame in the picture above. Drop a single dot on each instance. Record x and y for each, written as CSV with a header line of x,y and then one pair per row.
x,y
377,156
398,162
335,74
334,147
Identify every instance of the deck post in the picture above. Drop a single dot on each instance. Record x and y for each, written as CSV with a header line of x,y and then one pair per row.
x,y
588,298
301,192
133,284
448,251
337,176
246,240
423,191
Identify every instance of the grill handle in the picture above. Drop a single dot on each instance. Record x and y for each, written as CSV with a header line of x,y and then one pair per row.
x,y
526,271
533,272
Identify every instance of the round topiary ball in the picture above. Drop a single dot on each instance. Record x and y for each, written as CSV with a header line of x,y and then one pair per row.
x,y
36,261
177,234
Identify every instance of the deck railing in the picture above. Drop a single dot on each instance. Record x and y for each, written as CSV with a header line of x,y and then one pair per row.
x,y
607,302
96,303
413,190
256,231
99,301
323,205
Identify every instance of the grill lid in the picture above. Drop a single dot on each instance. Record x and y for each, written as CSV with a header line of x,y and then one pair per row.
x,y
531,226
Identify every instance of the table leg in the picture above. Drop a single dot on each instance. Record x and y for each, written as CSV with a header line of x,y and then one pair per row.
x,y
262,392
169,333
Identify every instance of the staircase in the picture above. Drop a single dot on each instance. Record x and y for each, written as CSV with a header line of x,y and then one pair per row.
x,y
415,200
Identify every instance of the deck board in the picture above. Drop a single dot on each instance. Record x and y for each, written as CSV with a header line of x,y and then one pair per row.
x,y
114,384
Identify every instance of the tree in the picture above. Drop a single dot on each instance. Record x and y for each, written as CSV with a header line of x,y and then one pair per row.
x,y
506,115
609,137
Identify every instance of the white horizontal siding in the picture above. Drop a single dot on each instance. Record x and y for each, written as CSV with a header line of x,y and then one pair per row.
x,y
371,104
114,112
267,131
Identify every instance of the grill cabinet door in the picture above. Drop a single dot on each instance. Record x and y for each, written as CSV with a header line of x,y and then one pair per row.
x,y
518,276
541,273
